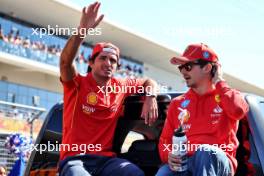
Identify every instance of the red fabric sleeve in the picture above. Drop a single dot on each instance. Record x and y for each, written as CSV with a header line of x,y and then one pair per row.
x,y
232,102
68,85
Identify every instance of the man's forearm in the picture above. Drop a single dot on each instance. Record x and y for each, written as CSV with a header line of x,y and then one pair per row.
x,y
70,50
151,87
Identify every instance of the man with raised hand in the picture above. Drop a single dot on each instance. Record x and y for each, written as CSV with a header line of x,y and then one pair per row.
x,y
91,110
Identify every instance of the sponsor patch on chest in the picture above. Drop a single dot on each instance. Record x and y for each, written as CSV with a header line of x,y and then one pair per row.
x,y
216,114
88,109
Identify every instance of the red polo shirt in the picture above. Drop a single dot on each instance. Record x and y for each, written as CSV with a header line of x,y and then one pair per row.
x,y
90,116
211,119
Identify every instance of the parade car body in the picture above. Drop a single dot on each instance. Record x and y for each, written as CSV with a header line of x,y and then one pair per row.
x,y
143,151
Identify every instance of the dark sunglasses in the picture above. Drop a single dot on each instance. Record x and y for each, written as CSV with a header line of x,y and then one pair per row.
x,y
189,65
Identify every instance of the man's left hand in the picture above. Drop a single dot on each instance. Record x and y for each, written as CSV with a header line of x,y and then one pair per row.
x,y
150,110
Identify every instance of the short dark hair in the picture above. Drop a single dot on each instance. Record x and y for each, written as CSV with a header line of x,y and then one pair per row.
x,y
214,66
92,59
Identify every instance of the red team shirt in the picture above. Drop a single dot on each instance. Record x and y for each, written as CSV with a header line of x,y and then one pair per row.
x,y
89,116
212,119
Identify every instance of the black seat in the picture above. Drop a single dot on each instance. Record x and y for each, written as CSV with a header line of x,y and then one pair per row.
x,y
143,153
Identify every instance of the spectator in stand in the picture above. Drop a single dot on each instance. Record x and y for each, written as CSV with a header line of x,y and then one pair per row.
x,y
26,43
1,33
34,45
128,67
81,58
135,70
140,71
42,46
39,45
10,37
53,49
17,38
58,50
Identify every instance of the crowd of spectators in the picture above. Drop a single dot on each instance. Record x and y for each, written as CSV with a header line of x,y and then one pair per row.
x,y
51,53
14,37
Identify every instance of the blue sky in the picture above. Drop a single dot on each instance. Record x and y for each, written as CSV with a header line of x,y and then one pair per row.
x,y
234,28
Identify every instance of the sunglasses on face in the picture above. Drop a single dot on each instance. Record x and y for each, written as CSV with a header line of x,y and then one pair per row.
x,y
189,65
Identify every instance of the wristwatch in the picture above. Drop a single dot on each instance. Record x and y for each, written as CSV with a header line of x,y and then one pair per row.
x,y
149,94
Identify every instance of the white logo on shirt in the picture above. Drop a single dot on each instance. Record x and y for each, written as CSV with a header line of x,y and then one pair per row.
x,y
87,109
186,127
217,113
218,110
